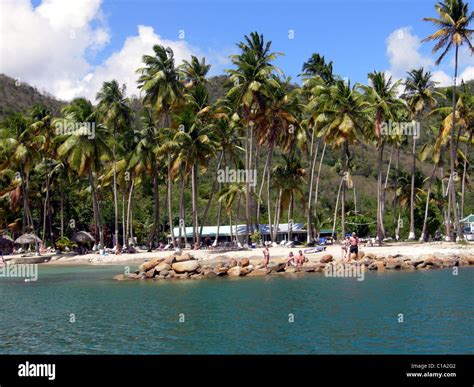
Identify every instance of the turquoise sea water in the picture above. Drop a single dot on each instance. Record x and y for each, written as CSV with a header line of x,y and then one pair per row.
x,y
241,316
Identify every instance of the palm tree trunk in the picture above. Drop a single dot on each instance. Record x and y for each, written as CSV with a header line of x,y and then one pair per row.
x,y
45,207
395,187
277,214
124,226
248,151
290,219
214,187
170,210
452,150
380,227
313,157
464,172
411,235
115,242
62,210
194,183
95,207
318,179
182,225
424,236
269,205
129,209
335,209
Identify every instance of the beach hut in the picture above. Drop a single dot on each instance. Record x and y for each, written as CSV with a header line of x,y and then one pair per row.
x,y
27,238
6,244
83,237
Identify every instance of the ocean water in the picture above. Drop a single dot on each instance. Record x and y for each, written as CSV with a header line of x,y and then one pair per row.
x,y
81,310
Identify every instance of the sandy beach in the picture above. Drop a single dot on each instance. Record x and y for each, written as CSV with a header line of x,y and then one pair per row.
x,y
277,254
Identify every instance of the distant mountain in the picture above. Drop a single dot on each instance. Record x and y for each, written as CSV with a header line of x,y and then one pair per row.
x,y
20,97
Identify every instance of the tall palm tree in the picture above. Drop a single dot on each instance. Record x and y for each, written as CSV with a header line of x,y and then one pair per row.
x,y
114,112
250,79
382,96
84,154
454,30
19,151
420,96
160,81
315,72
342,116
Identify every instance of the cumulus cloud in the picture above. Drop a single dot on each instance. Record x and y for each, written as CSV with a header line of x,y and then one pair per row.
x,y
403,51
49,45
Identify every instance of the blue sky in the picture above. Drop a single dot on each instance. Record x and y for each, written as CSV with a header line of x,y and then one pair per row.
x,y
69,47
351,33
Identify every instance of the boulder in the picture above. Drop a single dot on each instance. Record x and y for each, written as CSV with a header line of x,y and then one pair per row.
x,y
380,258
170,260
146,266
232,263
290,269
257,273
244,262
182,276
185,266
372,266
162,266
393,263
150,273
164,273
326,258
360,255
370,255
222,271
183,257
276,268
211,274
235,271
196,276
121,277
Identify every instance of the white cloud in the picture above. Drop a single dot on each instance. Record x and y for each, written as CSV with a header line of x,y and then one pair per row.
x,y
122,64
403,50
48,46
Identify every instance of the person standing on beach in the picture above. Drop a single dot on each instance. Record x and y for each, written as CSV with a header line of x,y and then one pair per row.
x,y
354,245
266,257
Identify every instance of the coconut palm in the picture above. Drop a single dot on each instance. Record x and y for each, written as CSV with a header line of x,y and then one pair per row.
x,y
420,96
341,118
160,81
83,153
454,31
382,96
114,112
250,79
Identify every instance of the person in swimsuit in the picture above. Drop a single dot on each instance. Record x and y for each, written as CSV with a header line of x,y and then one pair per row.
x,y
354,244
291,260
266,256
301,258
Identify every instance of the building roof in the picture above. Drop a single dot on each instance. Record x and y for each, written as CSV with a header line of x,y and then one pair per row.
x,y
239,229
468,219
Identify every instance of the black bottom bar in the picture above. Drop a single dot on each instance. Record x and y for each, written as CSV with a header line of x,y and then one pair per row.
x,y
380,370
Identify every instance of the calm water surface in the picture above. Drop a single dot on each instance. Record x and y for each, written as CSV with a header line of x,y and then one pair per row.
x,y
248,315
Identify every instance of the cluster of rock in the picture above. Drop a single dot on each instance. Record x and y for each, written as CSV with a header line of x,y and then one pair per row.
x,y
404,262
185,266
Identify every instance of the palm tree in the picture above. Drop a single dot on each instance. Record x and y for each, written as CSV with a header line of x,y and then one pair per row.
x,y
19,151
114,112
315,72
341,119
420,96
382,96
160,81
85,154
250,79
194,144
289,178
454,23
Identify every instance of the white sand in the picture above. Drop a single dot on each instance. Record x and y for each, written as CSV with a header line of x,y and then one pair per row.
x,y
276,253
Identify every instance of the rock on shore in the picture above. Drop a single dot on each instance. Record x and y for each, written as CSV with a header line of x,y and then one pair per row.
x,y
185,266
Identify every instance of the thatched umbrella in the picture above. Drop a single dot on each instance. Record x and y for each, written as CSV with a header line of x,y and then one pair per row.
x,y
83,237
27,238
